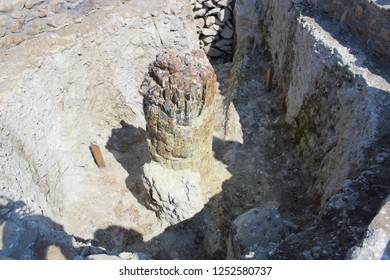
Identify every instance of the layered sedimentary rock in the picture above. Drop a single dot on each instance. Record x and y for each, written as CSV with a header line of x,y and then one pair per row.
x,y
179,95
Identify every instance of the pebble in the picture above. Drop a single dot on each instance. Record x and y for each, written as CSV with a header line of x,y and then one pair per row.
x,y
210,21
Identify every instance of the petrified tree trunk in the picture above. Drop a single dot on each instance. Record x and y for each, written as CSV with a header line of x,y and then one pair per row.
x,y
179,95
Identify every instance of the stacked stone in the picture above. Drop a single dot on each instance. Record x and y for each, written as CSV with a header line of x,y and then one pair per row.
x,y
214,23
370,20
23,19
179,95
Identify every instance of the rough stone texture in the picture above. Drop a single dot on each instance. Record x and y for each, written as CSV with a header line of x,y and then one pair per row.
x,y
362,17
175,195
98,69
179,96
49,15
103,257
329,86
375,245
217,20
256,233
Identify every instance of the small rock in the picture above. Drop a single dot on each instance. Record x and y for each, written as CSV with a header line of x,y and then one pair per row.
x,y
209,32
224,15
16,26
2,32
3,20
16,15
210,20
256,231
56,6
200,13
35,27
59,21
214,52
224,3
199,23
209,39
197,6
19,4
104,257
227,32
224,42
31,3
168,11
214,11
10,41
226,48
30,15
230,24
209,4
41,11
217,27
5,7
380,159
134,256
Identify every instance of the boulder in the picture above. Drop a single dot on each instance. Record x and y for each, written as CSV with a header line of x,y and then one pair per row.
x,y
256,233
175,195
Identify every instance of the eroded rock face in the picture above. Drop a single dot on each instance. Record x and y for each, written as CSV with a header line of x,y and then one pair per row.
x,y
179,94
175,195
256,233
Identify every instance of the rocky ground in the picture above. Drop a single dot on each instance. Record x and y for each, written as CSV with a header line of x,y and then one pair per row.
x,y
307,155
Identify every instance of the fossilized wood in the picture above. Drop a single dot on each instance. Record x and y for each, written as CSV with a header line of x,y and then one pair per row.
x,y
179,96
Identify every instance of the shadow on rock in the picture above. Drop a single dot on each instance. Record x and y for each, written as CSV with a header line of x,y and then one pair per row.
x,y
25,236
129,146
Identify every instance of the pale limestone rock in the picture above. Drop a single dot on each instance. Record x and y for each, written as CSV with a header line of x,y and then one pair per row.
x,y
35,27
200,13
3,20
31,3
59,21
209,32
10,41
199,22
210,20
17,15
103,257
209,4
175,195
5,7
16,26
56,6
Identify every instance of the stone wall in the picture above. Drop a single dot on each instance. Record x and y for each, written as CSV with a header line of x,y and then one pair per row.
x,y
23,19
215,26
370,20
